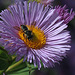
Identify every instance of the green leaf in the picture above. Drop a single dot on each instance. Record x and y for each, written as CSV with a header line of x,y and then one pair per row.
x,y
20,72
1,71
22,69
4,60
18,67
4,54
10,66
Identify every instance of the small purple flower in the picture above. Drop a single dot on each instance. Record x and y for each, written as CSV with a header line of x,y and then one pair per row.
x,y
3,73
63,12
34,32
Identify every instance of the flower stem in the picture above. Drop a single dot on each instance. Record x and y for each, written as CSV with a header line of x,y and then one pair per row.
x,y
29,66
14,65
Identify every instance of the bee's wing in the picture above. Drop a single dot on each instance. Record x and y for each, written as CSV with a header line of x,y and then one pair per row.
x,y
17,28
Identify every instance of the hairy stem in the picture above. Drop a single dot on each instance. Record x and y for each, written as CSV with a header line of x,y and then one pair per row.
x,y
14,65
29,66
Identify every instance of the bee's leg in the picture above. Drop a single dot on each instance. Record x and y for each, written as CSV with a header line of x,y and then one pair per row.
x,y
24,35
26,38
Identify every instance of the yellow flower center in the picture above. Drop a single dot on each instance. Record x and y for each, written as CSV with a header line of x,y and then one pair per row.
x,y
37,41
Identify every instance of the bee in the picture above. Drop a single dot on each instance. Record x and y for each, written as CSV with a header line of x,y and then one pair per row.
x,y
27,33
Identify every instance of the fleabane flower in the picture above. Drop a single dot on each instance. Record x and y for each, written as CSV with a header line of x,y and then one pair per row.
x,y
34,32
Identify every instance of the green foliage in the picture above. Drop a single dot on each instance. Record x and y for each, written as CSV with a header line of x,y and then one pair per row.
x,y
5,60
9,66
23,69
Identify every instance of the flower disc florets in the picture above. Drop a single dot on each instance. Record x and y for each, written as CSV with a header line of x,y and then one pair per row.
x,y
38,40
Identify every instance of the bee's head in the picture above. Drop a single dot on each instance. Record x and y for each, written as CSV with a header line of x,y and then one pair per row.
x,y
24,28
